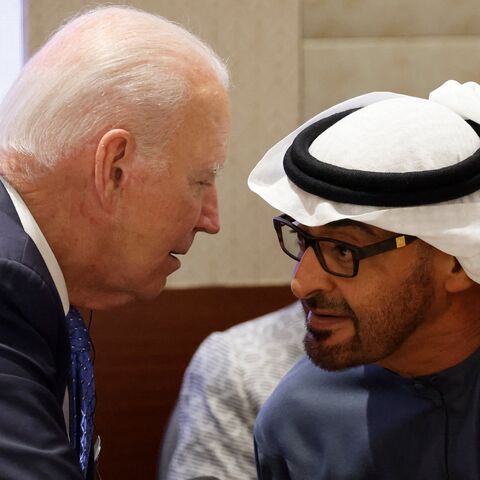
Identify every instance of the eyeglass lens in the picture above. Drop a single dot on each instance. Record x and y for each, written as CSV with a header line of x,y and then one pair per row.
x,y
335,257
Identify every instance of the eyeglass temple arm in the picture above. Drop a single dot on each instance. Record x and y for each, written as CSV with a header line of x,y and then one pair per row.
x,y
394,243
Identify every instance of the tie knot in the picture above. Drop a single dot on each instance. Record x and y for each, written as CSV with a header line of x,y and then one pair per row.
x,y
77,331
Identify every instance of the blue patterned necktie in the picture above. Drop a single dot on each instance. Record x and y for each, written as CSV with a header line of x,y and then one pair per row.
x,y
81,388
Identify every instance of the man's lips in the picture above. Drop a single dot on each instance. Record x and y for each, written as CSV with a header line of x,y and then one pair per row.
x,y
175,253
322,319
176,261
179,252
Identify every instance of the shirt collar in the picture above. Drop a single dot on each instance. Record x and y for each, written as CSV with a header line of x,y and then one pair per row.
x,y
454,378
33,230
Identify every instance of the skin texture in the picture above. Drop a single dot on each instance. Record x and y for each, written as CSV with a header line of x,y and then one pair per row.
x,y
412,310
121,218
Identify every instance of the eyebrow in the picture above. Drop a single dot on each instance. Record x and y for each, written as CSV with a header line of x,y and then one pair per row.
x,y
347,222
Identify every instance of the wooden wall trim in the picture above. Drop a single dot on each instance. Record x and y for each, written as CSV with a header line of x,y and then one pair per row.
x,y
141,353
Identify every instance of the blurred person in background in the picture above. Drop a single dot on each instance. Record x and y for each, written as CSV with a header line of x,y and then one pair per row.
x,y
230,376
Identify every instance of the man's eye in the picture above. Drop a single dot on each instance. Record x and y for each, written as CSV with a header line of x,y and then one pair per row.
x,y
342,252
301,243
204,183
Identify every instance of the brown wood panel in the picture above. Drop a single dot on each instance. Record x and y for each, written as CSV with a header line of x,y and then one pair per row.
x,y
141,353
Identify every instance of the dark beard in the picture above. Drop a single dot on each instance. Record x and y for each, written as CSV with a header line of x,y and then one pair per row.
x,y
381,333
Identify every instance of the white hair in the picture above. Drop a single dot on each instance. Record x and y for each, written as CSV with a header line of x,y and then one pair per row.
x,y
112,67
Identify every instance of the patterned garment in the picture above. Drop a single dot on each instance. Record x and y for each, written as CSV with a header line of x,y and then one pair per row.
x,y
229,378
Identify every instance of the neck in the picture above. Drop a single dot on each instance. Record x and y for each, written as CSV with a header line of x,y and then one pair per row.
x,y
63,202
57,201
441,343
53,206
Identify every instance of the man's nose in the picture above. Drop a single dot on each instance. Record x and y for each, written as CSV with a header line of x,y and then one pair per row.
x,y
310,277
209,220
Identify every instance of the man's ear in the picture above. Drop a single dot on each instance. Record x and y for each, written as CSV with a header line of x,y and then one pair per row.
x,y
457,280
114,153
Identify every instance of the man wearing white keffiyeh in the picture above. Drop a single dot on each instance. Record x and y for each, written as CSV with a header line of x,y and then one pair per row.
x,y
381,209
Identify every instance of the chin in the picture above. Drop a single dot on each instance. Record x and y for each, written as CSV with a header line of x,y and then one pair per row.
x,y
152,289
332,356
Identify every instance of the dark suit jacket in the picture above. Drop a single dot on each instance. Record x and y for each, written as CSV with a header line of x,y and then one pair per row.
x,y
34,361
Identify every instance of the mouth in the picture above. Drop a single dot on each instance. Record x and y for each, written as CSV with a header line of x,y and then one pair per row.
x,y
179,252
323,319
175,253
177,262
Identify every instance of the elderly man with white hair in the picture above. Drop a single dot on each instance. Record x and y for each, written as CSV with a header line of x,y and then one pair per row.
x,y
381,211
110,140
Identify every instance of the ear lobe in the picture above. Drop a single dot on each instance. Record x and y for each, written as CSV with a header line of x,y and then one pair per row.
x,y
458,281
111,162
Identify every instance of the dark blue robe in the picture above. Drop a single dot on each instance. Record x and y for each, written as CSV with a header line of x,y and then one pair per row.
x,y
368,423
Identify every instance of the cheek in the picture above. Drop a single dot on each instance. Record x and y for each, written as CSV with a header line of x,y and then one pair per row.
x,y
370,300
364,294
190,206
181,219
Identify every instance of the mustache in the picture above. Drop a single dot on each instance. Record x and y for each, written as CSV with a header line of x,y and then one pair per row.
x,y
321,301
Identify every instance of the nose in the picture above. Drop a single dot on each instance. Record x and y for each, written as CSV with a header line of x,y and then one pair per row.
x,y
309,277
209,220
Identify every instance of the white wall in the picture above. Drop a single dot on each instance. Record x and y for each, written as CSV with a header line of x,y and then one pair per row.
x,y
290,59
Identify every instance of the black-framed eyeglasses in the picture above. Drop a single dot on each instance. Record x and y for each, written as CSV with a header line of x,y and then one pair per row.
x,y
336,257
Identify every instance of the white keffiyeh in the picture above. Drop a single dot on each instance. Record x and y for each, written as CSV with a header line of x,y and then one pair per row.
x,y
393,133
